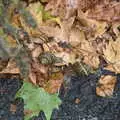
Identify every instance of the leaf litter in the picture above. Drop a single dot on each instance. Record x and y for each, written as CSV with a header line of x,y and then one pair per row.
x,y
50,36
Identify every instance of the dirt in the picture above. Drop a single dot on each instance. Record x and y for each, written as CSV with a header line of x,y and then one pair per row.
x,y
78,88
8,88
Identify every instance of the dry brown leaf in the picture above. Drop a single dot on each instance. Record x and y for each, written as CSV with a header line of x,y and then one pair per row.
x,y
38,73
67,57
106,85
91,27
77,100
97,26
11,68
100,44
93,61
65,29
54,84
50,31
57,8
40,68
110,68
36,52
112,51
3,64
106,12
115,28
89,4
67,8
89,53
53,47
13,108
113,67
61,33
32,77
76,37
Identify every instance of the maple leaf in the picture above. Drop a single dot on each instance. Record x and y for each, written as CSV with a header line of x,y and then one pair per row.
x,y
36,99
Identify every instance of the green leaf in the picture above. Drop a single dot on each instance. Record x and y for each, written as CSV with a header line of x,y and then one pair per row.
x,y
36,99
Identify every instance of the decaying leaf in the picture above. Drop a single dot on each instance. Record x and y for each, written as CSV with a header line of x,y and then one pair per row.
x,y
113,67
11,68
89,53
116,28
36,52
13,108
67,57
106,12
76,37
112,53
54,84
106,85
77,100
67,8
38,73
3,64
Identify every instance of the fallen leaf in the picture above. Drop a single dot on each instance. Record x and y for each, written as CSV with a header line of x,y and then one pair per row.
x,y
13,108
106,12
56,7
67,57
3,64
116,28
90,56
11,68
113,67
77,100
38,73
76,37
54,84
33,78
36,52
112,51
36,100
106,85
92,60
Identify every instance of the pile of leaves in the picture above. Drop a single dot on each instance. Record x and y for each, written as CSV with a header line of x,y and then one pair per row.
x,y
47,39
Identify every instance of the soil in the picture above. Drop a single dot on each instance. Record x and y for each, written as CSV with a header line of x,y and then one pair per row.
x,y
79,100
